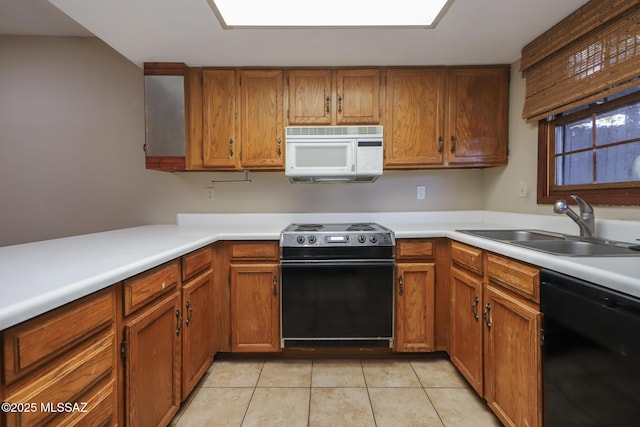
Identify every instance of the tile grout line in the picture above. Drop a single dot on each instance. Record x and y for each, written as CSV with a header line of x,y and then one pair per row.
x,y
375,422
253,392
424,389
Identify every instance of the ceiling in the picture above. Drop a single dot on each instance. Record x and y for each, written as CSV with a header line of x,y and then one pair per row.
x,y
472,32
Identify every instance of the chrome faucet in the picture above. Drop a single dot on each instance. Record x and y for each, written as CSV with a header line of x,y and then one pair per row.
x,y
586,219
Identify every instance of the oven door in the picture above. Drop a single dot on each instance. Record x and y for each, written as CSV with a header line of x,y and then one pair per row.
x,y
337,304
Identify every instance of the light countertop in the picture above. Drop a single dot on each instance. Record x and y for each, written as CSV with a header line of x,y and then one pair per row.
x,y
40,276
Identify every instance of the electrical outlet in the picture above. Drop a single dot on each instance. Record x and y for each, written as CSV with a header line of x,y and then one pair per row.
x,y
522,189
421,192
210,194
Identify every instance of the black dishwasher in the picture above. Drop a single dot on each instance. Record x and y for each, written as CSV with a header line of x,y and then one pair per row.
x,y
591,354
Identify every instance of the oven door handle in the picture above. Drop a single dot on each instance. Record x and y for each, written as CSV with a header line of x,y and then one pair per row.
x,y
338,263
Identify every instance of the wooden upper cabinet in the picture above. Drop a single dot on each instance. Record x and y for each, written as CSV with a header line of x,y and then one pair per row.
x,y
414,118
477,116
219,144
261,118
310,101
357,96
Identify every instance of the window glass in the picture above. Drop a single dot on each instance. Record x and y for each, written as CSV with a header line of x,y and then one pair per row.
x,y
574,136
574,169
617,163
618,125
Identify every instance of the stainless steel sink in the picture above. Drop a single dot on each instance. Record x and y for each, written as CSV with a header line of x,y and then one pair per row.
x,y
515,235
558,244
579,248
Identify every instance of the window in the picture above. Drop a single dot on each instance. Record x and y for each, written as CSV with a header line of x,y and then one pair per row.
x,y
593,150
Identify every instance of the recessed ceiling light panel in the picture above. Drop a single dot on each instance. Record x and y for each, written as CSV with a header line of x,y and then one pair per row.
x,y
329,13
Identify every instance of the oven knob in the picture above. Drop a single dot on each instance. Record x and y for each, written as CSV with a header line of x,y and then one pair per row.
x,y
300,239
312,239
361,238
373,238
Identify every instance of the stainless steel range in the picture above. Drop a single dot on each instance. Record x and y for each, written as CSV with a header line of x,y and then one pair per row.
x,y
337,285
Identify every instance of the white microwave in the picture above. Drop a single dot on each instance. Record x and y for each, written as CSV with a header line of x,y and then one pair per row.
x,y
333,153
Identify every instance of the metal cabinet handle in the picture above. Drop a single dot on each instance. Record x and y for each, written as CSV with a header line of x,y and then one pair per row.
x,y
400,286
339,104
279,146
327,101
474,307
190,314
453,145
179,321
440,145
275,286
486,315
230,147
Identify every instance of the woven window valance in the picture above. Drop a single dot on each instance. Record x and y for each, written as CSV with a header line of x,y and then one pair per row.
x,y
592,53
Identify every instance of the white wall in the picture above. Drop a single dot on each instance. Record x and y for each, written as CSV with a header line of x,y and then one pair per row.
x,y
71,159
501,184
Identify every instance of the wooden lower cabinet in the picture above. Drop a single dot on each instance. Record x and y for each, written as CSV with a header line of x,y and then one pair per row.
x,y
415,302
512,368
255,307
152,363
60,368
466,326
197,339
496,331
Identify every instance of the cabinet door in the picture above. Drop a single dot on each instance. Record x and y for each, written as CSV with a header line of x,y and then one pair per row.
x,y
414,118
152,364
466,326
255,307
261,119
358,96
198,338
415,318
309,97
477,116
513,380
219,145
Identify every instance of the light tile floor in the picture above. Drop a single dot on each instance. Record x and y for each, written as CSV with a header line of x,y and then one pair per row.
x,y
333,393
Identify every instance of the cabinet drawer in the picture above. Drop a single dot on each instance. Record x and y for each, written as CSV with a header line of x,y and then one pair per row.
x,y
196,261
144,287
32,343
254,250
69,380
414,248
467,257
520,278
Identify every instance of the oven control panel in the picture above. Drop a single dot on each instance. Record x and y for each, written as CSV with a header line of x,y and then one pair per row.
x,y
368,239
